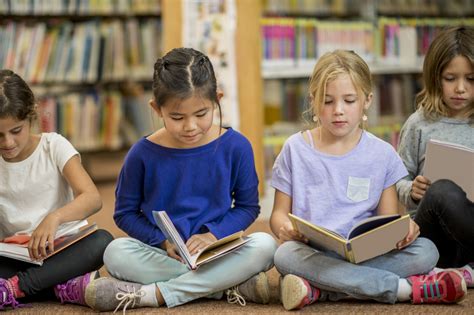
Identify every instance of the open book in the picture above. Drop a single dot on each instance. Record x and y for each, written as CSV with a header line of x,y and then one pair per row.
x,y
369,238
444,160
16,246
215,250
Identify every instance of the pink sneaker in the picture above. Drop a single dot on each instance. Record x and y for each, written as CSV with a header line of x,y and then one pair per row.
x,y
447,286
296,292
73,290
468,275
6,295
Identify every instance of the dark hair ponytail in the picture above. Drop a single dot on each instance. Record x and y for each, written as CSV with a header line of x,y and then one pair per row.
x,y
182,73
16,98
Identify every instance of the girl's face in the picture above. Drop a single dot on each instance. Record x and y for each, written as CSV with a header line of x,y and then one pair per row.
x,y
187,121
457,81
15,141
342,111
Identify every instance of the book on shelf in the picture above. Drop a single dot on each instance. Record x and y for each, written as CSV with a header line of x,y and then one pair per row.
x,y
16,246
367,239
445,160
212,251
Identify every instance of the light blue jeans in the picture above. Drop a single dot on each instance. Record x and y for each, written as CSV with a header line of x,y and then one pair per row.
x,y
375,279
131,260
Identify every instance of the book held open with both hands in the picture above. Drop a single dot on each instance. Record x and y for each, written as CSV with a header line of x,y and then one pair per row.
x,y
367,239
16,246
215,250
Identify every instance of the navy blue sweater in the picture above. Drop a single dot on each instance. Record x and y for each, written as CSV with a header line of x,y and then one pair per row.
x,y
213,188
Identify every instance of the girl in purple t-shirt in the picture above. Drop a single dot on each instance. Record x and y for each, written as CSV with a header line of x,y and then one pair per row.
x,y
335,175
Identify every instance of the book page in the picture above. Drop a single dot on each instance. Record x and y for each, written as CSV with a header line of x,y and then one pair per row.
x,y
371,223
320,237
444,160
172,235
216,251
380,240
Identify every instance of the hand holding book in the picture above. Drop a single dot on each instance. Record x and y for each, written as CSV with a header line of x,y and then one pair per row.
x,y
413,233
198,242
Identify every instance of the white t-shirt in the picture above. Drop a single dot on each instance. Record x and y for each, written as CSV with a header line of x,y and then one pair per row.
x,y
34,187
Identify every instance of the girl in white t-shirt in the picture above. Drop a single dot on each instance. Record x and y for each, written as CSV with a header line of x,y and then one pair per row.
x,y
42,186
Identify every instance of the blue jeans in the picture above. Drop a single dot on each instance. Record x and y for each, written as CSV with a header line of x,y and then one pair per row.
x,y
446,216
375,279
131,260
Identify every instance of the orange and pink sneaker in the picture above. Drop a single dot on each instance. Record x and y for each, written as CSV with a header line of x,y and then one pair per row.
x,y
296,292
447,286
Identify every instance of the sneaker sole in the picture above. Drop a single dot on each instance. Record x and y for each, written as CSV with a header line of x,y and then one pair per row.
x,y
262,288
89,295
292,292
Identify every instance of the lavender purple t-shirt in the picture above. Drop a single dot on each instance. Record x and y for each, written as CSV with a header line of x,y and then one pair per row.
x,y
336,191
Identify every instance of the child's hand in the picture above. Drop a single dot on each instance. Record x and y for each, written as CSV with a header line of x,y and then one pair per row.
x,y
172,252
412,235
198,241
288,233
419,186
42,239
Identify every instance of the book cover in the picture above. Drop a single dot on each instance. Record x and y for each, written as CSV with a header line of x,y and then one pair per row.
x,y
444,160
215,250
367,239
16,246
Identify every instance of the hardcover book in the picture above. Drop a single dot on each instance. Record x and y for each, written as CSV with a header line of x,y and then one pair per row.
x,y
367,239
16,246
213,251
444,160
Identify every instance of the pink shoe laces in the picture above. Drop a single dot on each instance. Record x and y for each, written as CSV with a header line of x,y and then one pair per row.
x,y
73,290
6,296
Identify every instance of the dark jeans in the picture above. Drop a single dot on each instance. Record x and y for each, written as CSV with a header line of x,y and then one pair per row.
x,y
78,259
446,217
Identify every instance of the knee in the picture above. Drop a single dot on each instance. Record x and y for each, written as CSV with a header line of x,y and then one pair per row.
x,y
102,239
116,251
426,254
284,251
445,190
264,245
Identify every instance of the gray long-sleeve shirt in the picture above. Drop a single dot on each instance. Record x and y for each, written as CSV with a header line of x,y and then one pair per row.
x,y
415,134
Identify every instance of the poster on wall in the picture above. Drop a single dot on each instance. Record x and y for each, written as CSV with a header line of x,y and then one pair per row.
x,y
209,26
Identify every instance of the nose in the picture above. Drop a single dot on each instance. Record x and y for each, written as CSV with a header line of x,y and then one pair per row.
x,y
189,124
6,141
460,87
339,109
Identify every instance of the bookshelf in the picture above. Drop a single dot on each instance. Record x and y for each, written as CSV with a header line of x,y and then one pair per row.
x,y
89,64
392,36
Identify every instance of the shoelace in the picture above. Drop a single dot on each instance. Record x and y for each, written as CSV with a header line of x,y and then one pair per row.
x,y
68,292
431,291
128,298
234,296
7,298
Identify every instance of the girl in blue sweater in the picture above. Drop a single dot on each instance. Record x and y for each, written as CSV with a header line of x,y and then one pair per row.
x,y
203,175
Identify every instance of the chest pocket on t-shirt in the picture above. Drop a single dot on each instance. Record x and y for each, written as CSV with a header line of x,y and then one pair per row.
x,y
358,188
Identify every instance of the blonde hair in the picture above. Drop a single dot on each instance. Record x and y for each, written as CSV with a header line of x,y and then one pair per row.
x,y
331,65
449,43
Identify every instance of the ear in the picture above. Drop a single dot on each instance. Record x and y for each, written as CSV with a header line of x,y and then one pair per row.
x,y
220,94
368,101
155,107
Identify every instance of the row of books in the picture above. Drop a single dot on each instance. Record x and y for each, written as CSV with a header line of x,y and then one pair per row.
x,y
289,40
425,7
79,7
310,7
81,52
96,120
383,7
299,41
